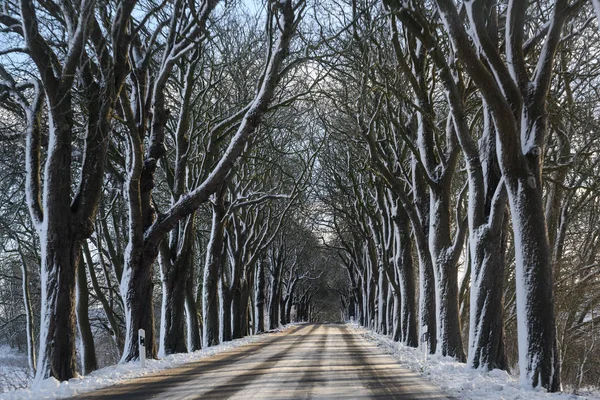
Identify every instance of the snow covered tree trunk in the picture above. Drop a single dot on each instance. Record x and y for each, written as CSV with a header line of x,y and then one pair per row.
x,y
31,359
88,350
372,284
396,311
275,294
427,300
174,283
365,303
449,340
487,247
176,275
59,253
486,336
242,328
63,221
282,314
210,284
382,287
538,356
391,313
404,266
58,326
136,291
259,296
194,339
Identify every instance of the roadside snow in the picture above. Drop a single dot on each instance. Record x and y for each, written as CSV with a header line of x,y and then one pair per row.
x,y
461,382
53,389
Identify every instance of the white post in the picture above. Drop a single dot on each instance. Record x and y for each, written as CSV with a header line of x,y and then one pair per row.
x,y
142,344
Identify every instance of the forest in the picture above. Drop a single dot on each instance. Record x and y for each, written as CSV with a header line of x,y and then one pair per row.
x,y
206,170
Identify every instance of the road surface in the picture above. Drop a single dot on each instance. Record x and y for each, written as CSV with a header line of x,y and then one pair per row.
x,y
320,361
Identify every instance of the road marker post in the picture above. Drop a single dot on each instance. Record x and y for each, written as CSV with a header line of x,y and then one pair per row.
x,y
142,344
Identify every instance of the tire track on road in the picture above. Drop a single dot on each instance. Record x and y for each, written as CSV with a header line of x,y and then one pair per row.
x,y
227,389
153,385
310,376
374,375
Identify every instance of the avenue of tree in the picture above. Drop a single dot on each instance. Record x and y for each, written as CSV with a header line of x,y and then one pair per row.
x,y
206,170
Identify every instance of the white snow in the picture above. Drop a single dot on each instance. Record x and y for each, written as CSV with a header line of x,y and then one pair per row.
x,y
14,369
53,389
462,382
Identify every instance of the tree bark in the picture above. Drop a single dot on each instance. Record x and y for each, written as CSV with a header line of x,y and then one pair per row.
x,y
89,362
405,268
226,302
259,326
449,338
28,312
212,265
60,254
136,290
194,339
174,284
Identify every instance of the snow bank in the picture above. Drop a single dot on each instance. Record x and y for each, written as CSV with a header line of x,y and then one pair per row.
x,y
462,382
53,389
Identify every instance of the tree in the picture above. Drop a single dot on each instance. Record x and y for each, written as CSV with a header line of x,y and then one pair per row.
x,y
517,101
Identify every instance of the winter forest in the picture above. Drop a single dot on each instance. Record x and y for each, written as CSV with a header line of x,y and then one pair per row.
x,y
206,170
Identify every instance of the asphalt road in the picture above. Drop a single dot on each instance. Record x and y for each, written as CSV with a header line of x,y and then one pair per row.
x,y
320,361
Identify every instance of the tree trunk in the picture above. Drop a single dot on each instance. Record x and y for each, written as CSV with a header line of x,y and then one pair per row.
x,y
174,283
58,326
237,313
194,340
226,301
486,336
136,290
538,356
244,310
446,276
427,300
406,273
397,317
259,326
177,276
488,224
210,285
275,298
88,350
282,319
60,254
382,287
389,311
28,312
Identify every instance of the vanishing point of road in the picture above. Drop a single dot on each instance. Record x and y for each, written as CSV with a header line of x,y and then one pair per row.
x,y
320,361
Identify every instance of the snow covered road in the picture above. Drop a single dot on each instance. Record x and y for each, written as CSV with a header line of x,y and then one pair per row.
x,y
326,361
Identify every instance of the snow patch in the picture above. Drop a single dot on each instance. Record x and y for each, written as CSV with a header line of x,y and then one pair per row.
x,y
460,381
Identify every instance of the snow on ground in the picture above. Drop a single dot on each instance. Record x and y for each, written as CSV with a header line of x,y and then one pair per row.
x,y
108,376
465,383
14,371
